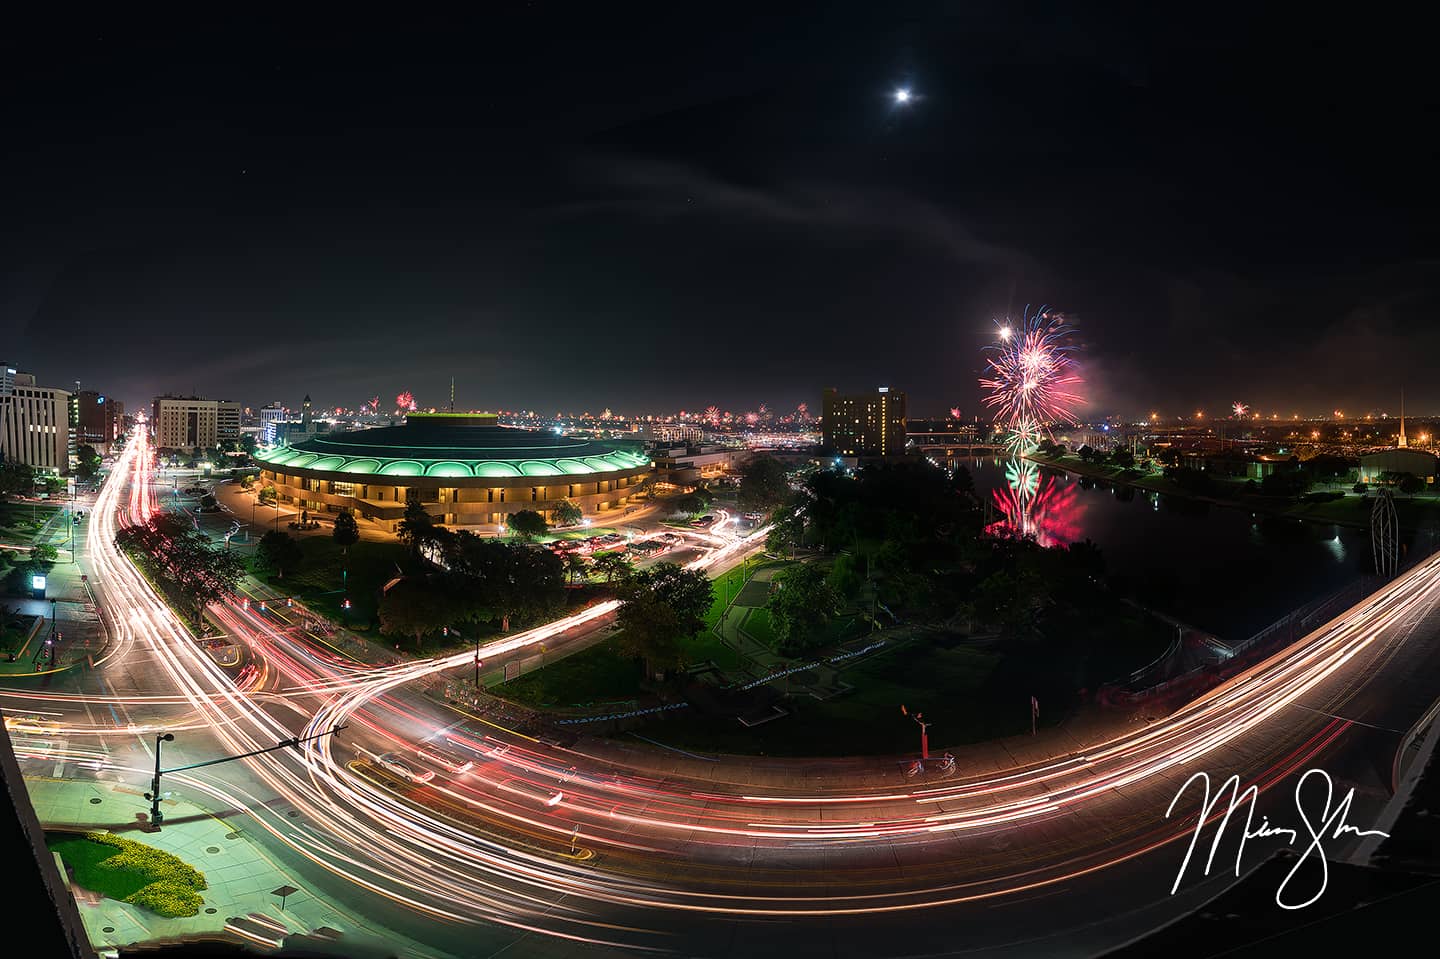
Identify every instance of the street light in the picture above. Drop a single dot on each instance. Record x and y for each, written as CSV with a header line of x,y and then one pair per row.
x,y
156,816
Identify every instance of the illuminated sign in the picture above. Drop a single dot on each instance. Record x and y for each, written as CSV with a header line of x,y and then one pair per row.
x,y
37,581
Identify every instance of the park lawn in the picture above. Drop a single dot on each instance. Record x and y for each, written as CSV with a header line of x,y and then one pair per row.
x,y
21,520
758,627
599,674
705,646
955,688
318,581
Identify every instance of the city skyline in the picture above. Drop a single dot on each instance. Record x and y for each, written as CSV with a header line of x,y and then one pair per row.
x,y
269,225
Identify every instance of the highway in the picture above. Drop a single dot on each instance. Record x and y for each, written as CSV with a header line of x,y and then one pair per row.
x,y
544,849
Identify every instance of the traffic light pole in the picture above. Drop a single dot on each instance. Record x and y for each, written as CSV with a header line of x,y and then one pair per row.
x,y
157,817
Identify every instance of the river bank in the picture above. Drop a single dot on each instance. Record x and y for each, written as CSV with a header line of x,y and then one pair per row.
x,y
1351,510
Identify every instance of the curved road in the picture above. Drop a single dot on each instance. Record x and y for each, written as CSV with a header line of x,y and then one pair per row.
x,y
540,849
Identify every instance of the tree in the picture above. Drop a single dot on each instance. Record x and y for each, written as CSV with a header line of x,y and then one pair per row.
x,y
660,607
43,553
763,483
417,527
1122,457
279,551
527,524
845,575
786,533
268,495
801,607
575,563
16,479
346,532
87,461
1086,452
694,502
182,558
1410,484
613,567
414,607
568,513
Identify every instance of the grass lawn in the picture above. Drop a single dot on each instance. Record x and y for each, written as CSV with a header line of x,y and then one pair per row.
x,y
318,580
756,625
595,675
131,871
19,521
959,689
705,646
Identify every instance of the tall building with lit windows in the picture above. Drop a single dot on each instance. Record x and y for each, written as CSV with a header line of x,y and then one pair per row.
x,y
37,425
864,424
185,423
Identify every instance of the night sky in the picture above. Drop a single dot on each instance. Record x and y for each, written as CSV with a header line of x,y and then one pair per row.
x,y
570,207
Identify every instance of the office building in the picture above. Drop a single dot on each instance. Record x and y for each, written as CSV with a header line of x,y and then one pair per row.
x,y
185,423
271,418
227,422
36,425
864,424
100,420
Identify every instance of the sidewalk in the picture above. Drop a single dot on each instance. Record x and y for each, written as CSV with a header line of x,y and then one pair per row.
x,y
240,904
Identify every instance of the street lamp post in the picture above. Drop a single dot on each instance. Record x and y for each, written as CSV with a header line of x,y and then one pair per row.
x,y
156,816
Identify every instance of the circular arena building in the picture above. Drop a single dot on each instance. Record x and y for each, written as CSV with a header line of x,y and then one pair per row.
x,y
466,468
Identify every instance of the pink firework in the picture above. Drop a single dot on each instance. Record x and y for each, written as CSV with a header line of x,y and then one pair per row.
x,y
954,412
803,409
405,402
752,418
1032,378
712,413
1240,410
375,403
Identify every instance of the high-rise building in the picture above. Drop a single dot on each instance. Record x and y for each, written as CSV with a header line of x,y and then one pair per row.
x,y
100,420
864,424
7,379
36,425
271,418
185,423
227,422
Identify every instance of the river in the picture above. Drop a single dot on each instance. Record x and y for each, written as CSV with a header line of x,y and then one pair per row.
x,y
1221,569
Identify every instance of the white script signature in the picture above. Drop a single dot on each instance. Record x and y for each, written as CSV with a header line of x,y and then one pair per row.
x,y
1330,824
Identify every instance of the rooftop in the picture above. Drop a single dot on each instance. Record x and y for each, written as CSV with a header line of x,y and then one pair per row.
x,y
454,445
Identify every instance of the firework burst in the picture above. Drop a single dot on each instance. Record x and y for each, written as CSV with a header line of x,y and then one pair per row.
x,y
1240,410
405,402
1032,381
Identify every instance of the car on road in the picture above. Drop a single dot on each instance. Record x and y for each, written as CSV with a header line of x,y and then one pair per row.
x,y
394,764
444,757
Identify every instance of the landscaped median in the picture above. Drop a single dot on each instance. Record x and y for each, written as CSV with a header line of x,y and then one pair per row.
x,y
130,871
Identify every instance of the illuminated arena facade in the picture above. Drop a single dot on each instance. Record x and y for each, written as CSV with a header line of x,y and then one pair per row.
x,y
466,468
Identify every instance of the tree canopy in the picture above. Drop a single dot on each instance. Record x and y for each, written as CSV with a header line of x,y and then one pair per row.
x,y
527,524
346,531
659,608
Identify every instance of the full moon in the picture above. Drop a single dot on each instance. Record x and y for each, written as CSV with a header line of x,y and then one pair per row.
x,y
902,95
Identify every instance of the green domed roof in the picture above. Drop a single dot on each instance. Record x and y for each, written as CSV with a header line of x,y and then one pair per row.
x,y
459,446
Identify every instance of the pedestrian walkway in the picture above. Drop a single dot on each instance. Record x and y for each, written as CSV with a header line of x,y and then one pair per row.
x,y
245,901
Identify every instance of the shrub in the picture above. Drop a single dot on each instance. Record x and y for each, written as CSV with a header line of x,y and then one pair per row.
x,y
174,885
